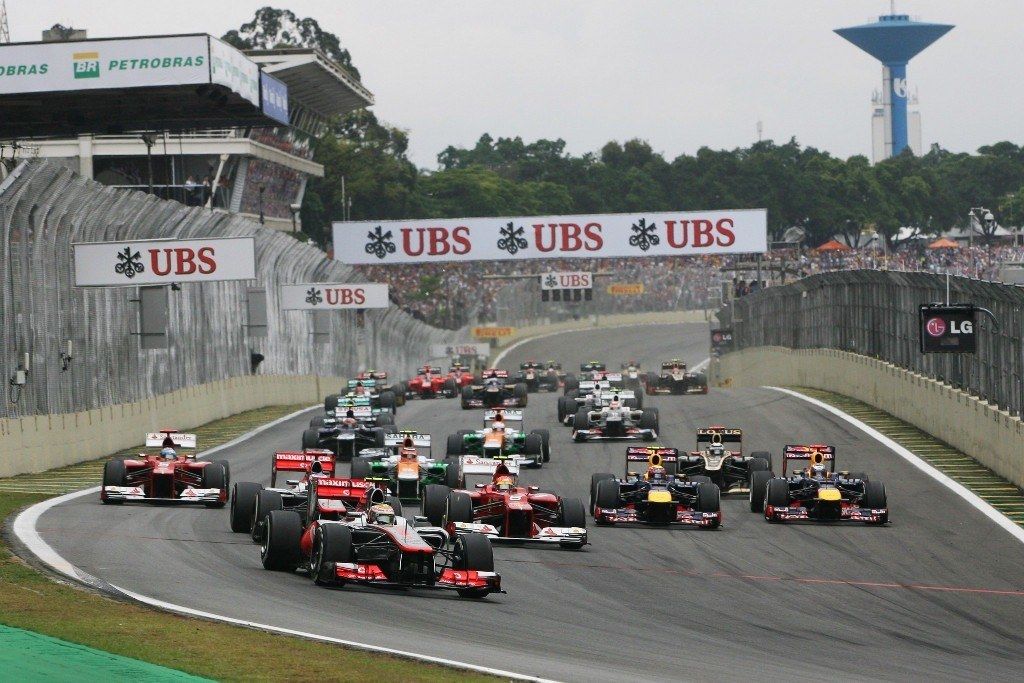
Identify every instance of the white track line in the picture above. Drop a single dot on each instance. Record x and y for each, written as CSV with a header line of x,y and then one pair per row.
x,y
25,530
954,486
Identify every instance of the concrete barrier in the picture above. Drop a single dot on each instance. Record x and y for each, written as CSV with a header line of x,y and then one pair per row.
x,y
42,442
991,436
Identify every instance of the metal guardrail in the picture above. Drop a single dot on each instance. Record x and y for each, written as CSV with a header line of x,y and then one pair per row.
x,y
46,208
875,313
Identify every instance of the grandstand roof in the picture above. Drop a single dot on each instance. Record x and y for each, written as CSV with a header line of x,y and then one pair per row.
x,y
314,81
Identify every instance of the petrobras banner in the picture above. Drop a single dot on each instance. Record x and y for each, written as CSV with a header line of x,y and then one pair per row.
x,y
322,296
462,349
231,68
533,237
566,280
100,64
156,262
274,98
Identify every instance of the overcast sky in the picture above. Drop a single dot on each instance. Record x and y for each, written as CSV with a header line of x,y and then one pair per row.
x,y
680,74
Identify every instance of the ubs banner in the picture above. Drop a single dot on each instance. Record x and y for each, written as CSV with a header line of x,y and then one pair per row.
x,y
535,237
322,296
162,262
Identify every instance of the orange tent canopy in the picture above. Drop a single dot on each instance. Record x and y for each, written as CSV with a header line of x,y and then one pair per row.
x,y
833,245
943,243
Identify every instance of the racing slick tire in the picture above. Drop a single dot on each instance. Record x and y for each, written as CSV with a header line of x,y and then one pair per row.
x,y
243,503
316,421
533,444
874,498
455,443
460,507
607,496
570,383
562,411
520,394
280,549
385,420
777,494
378,437
639,393
709,498
214,477
649,419
467,396
545,437
311,438
360,468
434,503
581,420
331,402
758,488
452,475
266,502
450,388
700,479
400,390
596,479
387,401
763,455
114,474
572,513
473,552
331,543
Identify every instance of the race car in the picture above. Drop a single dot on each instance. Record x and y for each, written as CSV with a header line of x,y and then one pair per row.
x,y
310,462
503,437
363,389
719,457
382,384
429,382
555,369
659,496
504,511
494,391
166,476
378,548
536,378
462,375
632,376
405,465
615,421
345,436
676,379
818,492
594,395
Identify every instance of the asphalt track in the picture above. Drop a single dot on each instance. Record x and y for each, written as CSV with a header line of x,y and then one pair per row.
x,y
937,594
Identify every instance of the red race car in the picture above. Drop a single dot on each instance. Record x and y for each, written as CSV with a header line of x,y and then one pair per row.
x,y
430,383
378,548
504,511
462,376
166,476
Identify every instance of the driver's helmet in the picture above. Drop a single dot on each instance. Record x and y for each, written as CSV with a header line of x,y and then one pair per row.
x,y
168,453
716,449
505,482
493,374
615,404
382,514
498,426
350,419
656,473
818,470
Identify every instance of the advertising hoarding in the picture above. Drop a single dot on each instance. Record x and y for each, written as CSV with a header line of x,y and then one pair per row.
x,y
325,296
154,262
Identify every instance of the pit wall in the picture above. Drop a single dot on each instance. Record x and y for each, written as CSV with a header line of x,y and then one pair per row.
x,y
41,442
991,436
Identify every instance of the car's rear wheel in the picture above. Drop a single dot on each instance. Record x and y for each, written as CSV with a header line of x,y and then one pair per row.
x,y
280,550
467,396
387,401
563,408
472,552
331,402
521,395
533,445
360,468
385,420
331,543
311,438
451,388
243,504
758,488
400,390
452,473
434,503
317,421
460,507
378,438
582,419
570,383
545,437
454,446
266,502
649,419
763,455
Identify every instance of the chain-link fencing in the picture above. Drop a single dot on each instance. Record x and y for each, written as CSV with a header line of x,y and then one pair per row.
x,y
875,313
212,328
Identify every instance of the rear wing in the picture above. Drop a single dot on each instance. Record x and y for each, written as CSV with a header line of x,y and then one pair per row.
x,y
624,394
590,367
170,438
719,435
653,456
298,461
502,374
673,364
529,365
503,415
367,383
357,411
372,374
473,464
814,454
398,438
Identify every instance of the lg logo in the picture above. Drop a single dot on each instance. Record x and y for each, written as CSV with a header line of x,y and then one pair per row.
x,y
936,327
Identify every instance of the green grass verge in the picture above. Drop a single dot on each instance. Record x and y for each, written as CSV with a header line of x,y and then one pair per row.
x,y
986,484
32,600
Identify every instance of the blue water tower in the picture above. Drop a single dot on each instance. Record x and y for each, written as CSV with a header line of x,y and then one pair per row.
x,y
893,40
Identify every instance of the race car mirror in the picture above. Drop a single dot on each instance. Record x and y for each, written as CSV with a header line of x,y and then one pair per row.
x,y
948,328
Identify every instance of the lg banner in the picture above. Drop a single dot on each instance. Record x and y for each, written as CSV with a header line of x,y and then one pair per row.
x,y
948,328
534,237
162,262
320,296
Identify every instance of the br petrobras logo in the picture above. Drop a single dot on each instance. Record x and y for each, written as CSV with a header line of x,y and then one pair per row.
x,y
86,64
936,327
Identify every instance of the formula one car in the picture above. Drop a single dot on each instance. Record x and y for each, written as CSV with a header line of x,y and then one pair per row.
x,y
615,421
536,378
818,492
594,395
503,437
429,382
166,476
377,548
504,511
363,389
676,379
461,374
345,436
632,375
560,375
304,464
382,384
494,392
405,465
719,457
659,496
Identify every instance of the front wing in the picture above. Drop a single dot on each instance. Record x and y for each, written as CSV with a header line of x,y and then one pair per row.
x,y
684,516
847,514
450,579
562,535
189,495
631,434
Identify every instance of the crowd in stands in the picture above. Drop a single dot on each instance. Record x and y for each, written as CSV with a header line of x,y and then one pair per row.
x,y
280,187
450,294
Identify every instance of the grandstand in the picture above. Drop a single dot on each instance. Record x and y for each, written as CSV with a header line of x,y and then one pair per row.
x,y
204,158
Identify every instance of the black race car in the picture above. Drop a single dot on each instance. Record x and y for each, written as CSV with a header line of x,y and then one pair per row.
x,y
674,378
719,457
536,377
